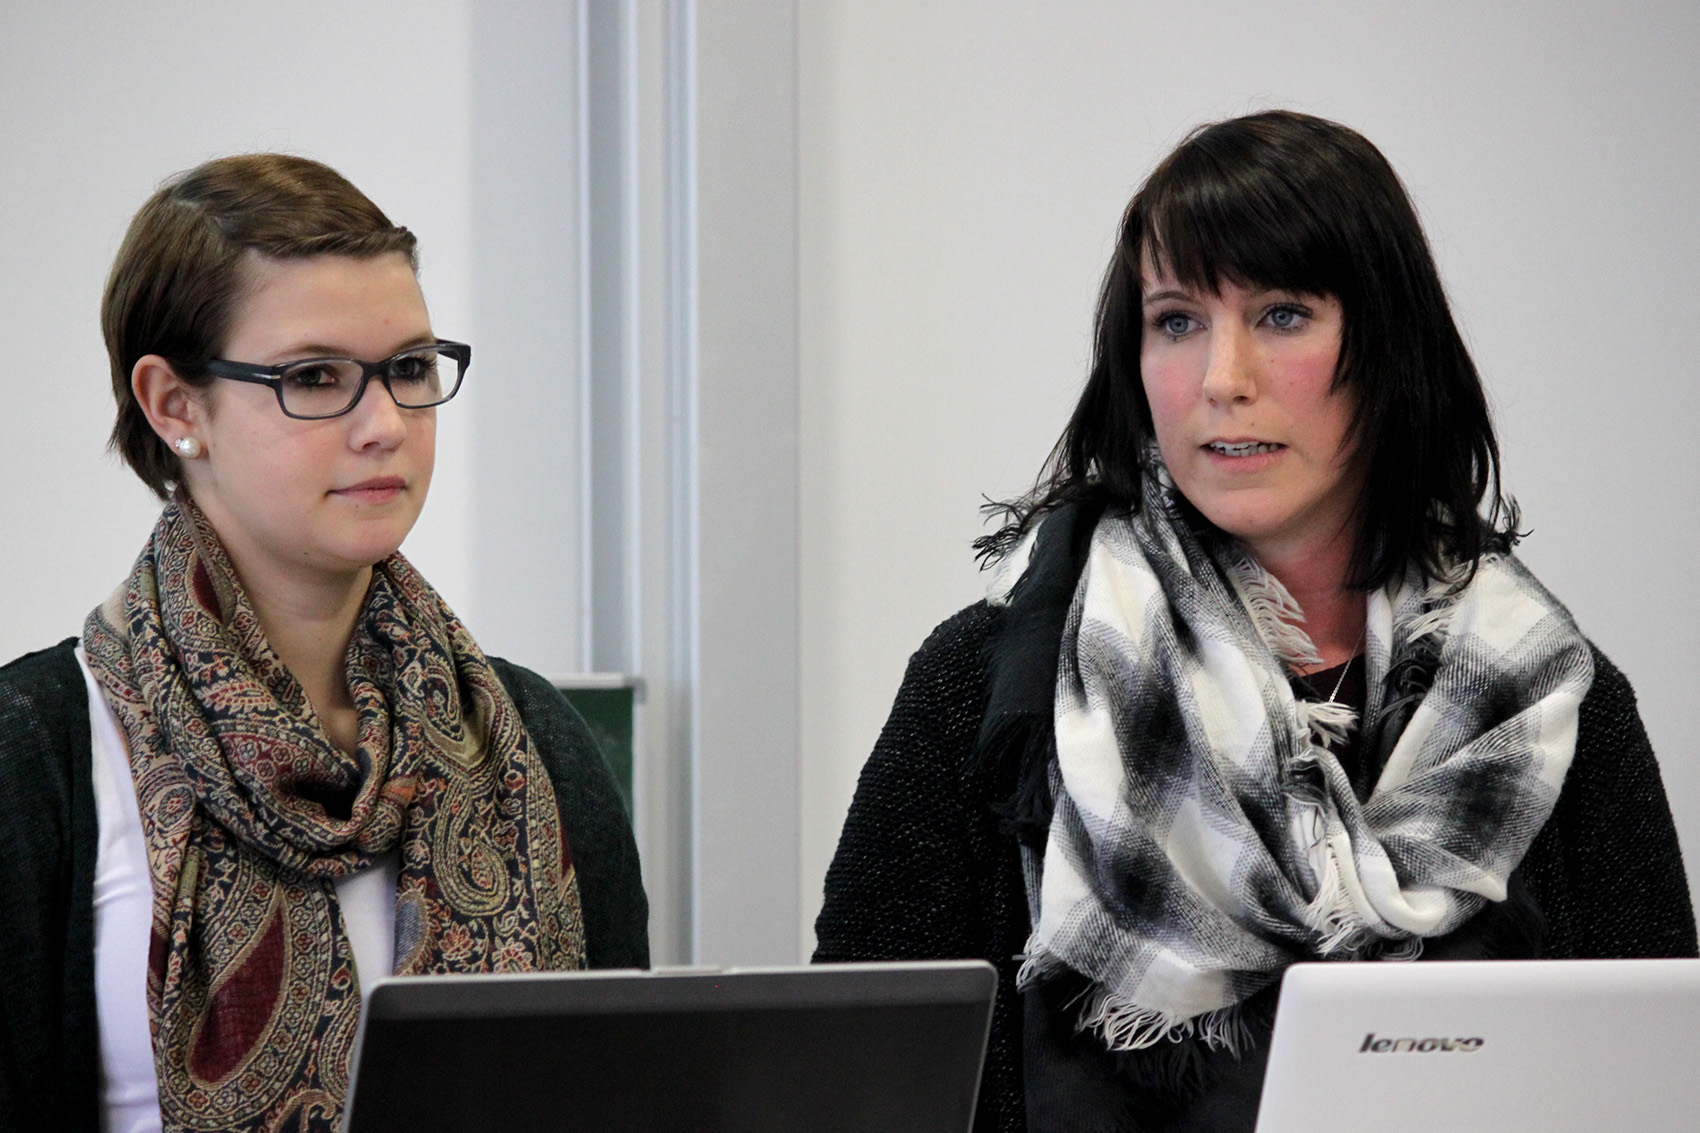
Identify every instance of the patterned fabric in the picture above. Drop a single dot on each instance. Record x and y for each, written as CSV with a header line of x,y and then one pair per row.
x,y
1204,837
251,814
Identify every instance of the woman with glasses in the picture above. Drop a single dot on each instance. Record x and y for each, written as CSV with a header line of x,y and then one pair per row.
x,y
275,765
1259,680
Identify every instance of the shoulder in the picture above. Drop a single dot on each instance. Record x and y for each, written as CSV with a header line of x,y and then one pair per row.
x,y
1611,694
918,866
45,750
554,725
610,880
937,710
1609,733
48,845
971,625
529,689
1610,736
953,654
550,719
44,706
914,778
45,682
1607,869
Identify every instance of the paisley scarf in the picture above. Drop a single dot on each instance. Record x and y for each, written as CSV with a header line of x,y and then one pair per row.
x,y
1204,836
250,814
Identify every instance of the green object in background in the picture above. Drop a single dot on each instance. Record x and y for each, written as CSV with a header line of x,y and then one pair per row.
x,y
607,701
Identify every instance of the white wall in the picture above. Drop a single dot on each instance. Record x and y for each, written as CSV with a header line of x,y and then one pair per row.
x,y
523,535
964,163
746,882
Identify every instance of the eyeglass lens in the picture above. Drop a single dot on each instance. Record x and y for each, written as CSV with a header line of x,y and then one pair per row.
x,y
325,387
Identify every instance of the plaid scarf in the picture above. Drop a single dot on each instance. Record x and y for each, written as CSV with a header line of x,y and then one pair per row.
x,y
250,814
1203,837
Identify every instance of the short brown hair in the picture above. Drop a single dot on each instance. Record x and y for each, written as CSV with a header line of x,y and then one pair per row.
x,y
177,277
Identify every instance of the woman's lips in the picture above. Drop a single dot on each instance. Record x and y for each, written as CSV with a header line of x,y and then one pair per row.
x,y
1242,448
1242,454
379,489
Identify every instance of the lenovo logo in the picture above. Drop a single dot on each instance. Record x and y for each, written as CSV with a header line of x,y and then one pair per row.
x,y
1373,1045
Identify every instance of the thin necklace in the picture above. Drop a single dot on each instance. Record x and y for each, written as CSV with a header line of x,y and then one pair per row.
x,y
1333,697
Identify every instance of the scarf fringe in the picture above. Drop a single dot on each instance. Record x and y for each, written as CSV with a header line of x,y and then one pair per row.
x,y
1435,623
1329,722
1273,611
1123,1025
1340,928
1439,602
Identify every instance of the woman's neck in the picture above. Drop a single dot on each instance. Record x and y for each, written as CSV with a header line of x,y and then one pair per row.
x,y
308,619
1315,576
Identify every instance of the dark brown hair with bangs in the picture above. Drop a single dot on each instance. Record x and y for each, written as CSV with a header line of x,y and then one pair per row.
x,y
1282,200
177,278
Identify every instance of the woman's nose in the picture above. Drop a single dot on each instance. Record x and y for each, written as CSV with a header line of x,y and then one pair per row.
x,y
1230,371
376,418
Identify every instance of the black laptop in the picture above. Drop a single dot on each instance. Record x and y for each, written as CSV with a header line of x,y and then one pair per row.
x,y
827,1048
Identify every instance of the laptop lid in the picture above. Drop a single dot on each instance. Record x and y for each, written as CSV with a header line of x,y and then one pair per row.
x,y
834,1047
1486,1046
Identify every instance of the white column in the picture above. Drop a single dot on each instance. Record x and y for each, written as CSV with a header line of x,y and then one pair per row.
x,y
746,719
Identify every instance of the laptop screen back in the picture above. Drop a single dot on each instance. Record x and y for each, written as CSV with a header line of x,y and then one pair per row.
x,y
837,1047
1486,1046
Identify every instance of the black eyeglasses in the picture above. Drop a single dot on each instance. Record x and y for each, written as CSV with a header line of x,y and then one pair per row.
x,y
313,389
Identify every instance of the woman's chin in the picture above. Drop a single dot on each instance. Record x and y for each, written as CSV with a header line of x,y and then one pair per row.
x,y
1246,519
358,554
374,538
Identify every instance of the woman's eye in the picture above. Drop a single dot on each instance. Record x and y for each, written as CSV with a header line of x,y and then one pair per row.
x,y
1174,324
312,377
1287,318
413,368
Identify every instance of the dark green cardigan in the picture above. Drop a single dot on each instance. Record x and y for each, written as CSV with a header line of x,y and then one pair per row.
x,y
49,1039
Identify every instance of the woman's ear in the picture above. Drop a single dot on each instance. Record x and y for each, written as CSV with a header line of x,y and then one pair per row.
x,y
172,406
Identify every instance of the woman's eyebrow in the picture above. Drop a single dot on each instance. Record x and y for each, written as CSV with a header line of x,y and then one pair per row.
x,y
1165,296
307,351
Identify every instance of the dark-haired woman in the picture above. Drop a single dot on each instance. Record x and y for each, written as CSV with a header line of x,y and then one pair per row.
x,y
275,764
1260,679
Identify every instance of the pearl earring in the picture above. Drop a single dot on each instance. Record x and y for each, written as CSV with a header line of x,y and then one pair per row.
x,y
188,447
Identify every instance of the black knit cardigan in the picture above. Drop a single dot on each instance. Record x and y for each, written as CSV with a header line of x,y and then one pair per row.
x,y
49,1038
927,868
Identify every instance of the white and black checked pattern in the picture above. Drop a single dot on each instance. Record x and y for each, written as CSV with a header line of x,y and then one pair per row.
x,y
1203,839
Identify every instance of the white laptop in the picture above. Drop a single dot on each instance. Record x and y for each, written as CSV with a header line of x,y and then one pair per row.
x,y
1548,1046
827,1048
